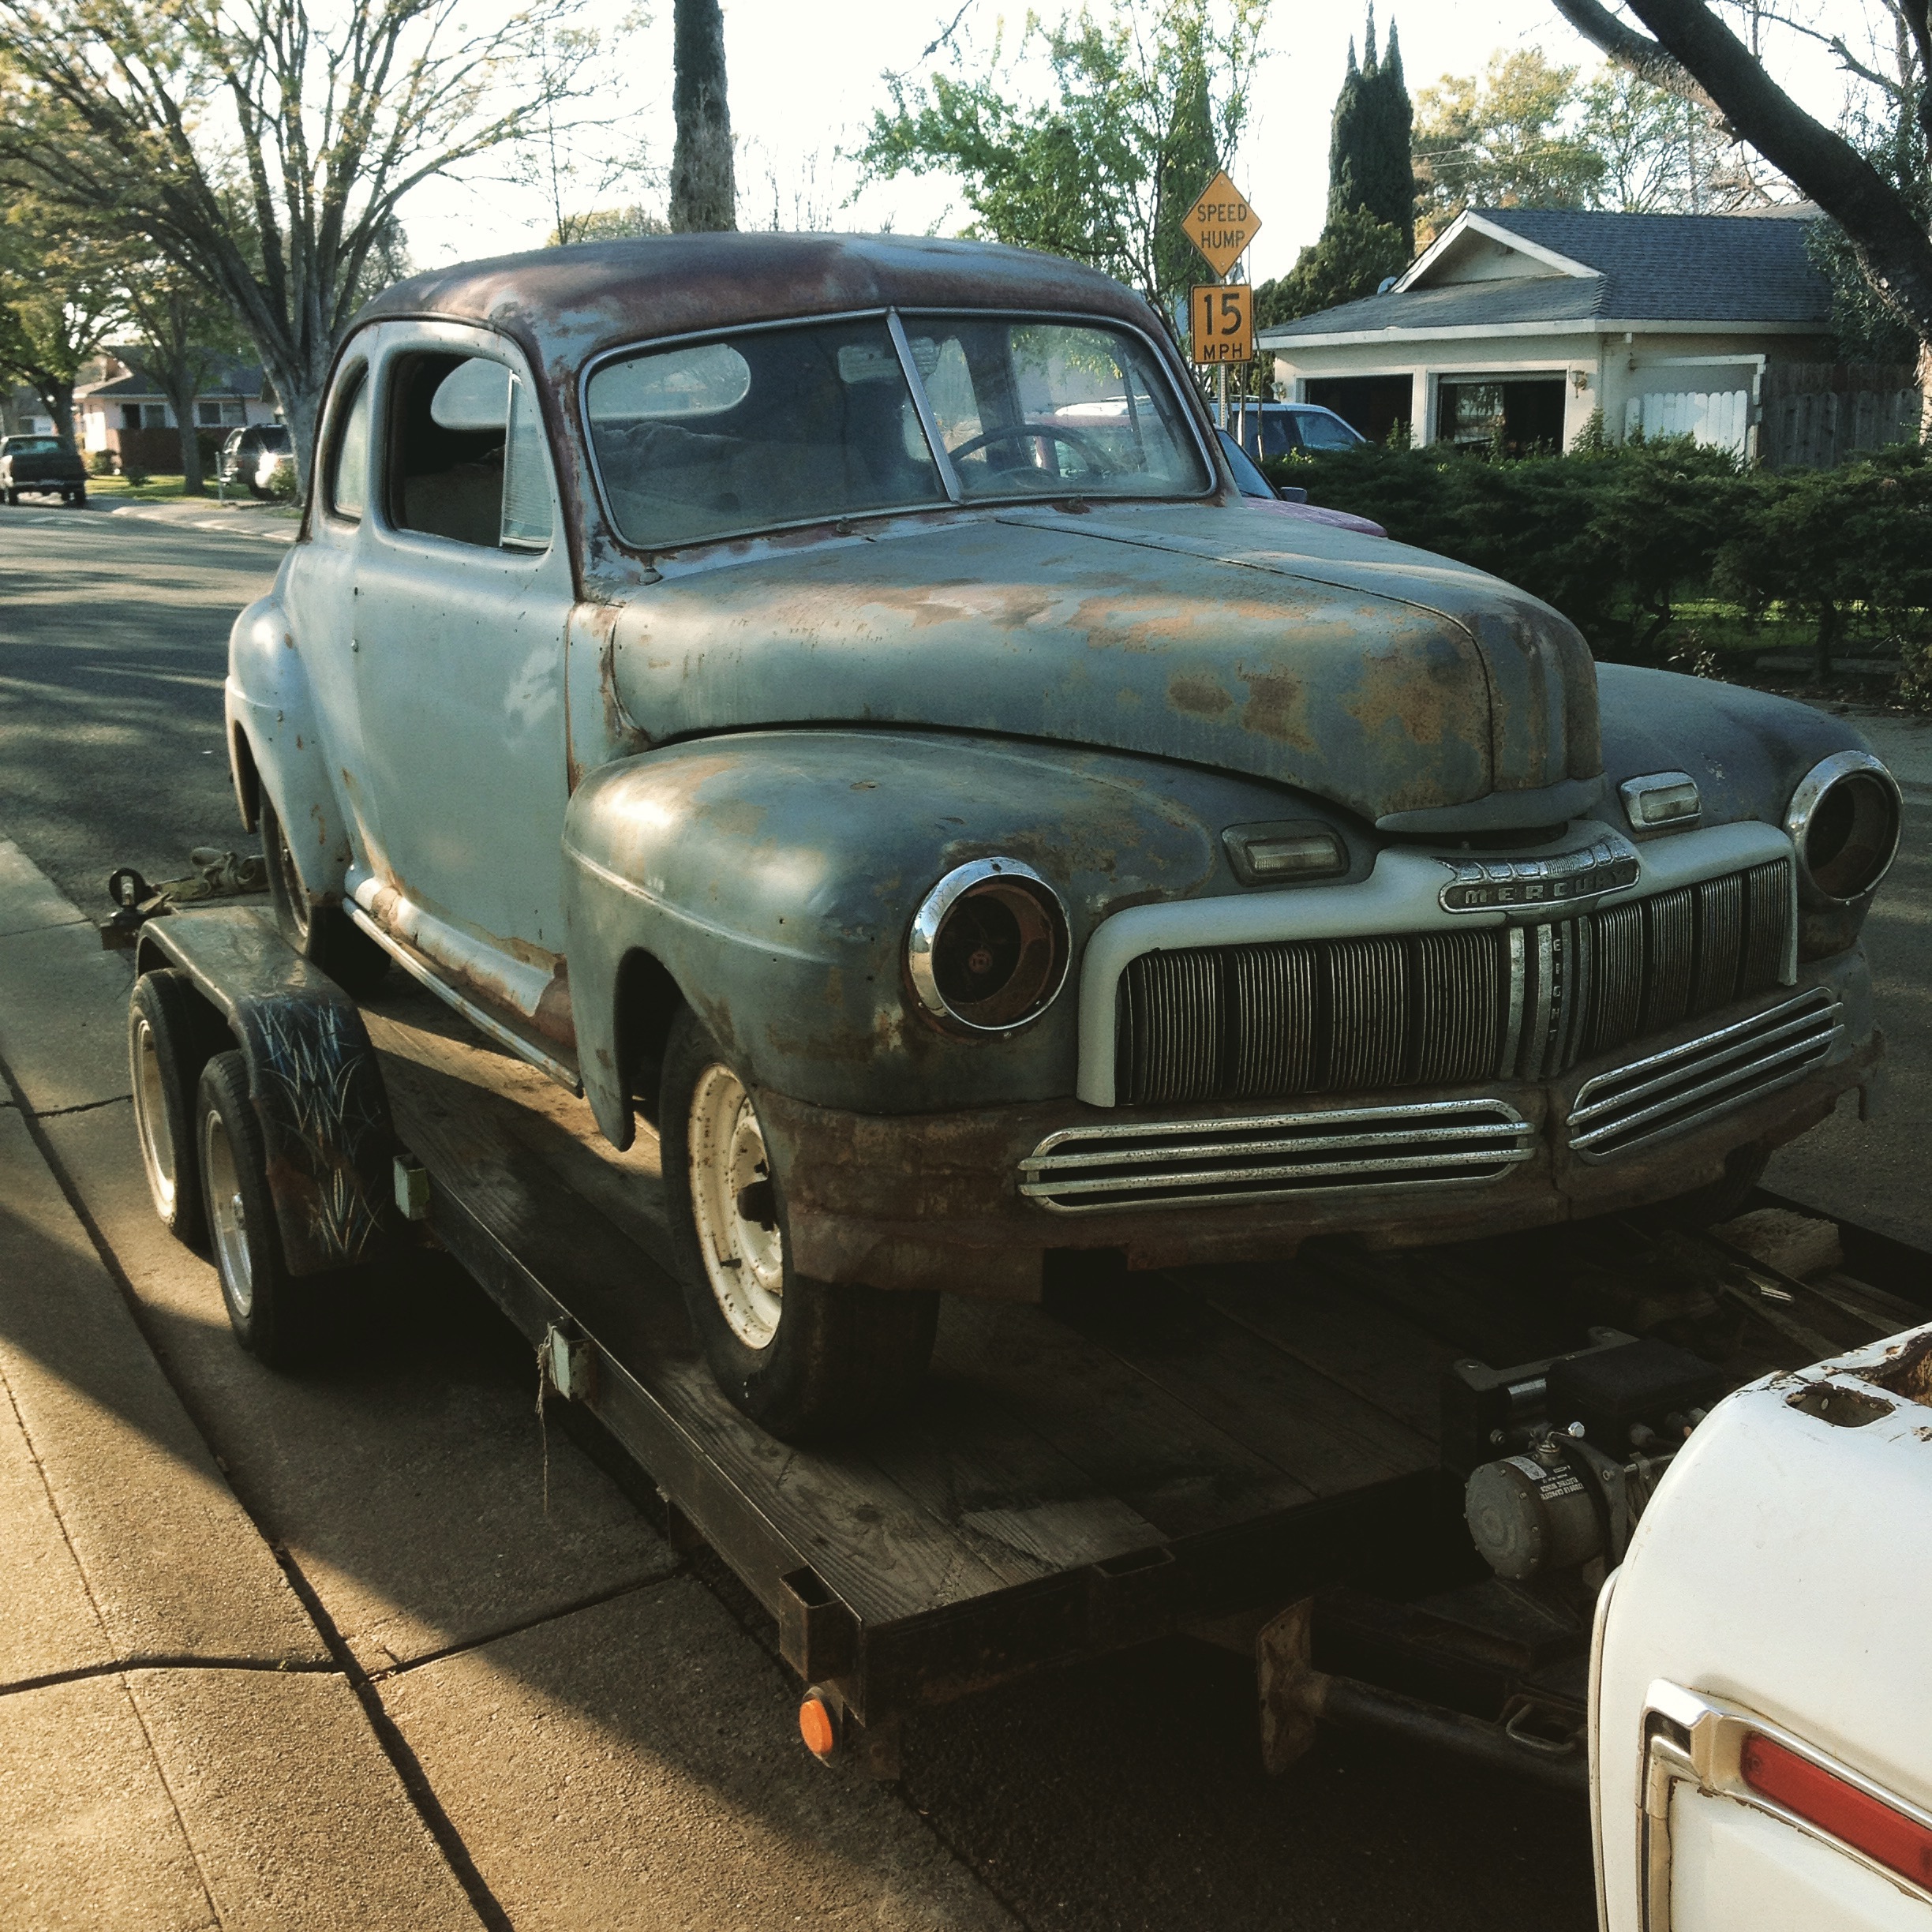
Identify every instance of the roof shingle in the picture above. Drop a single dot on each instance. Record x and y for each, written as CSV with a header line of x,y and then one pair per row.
x,y
1646,269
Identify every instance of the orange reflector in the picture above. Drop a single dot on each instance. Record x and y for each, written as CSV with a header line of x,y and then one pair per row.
x,y
816,1727
1899,1843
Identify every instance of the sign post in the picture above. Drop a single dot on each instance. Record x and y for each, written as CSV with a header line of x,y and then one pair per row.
x,y
1220,313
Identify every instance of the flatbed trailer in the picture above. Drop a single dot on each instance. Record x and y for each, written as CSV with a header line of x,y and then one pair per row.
x,y
1272,1458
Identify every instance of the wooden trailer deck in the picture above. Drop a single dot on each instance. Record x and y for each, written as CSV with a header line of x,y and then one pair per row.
x,y
1129,1460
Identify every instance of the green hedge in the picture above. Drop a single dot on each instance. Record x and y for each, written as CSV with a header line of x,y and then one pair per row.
x,y
1620,538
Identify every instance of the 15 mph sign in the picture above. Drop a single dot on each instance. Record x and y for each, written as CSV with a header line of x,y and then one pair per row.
x,y
1221,224
1222,317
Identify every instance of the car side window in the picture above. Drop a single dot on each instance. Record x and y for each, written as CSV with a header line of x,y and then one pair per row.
x,y
348,464
466,453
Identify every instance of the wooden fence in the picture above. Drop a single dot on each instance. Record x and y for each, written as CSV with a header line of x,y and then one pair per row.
x,y
1816,414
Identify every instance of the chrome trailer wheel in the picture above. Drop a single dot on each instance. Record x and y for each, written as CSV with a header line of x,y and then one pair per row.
x,y
171,1033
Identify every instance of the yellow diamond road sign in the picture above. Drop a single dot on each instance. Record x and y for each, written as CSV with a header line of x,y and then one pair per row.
x,y
1221,224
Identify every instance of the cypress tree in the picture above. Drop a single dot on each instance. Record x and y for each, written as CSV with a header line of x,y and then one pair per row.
x,y
1368,160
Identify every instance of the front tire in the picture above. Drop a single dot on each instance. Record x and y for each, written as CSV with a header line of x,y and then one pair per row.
x,y
325,936
805,1359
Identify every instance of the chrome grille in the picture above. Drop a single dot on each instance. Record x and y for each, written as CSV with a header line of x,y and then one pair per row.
x,y
1442,1008
1681,1088
1085,1170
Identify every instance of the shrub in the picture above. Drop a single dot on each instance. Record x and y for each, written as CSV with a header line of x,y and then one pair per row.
x,y
134,477
1618,537
101,462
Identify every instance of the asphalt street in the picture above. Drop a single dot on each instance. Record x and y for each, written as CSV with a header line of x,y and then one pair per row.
x,y
1121,1795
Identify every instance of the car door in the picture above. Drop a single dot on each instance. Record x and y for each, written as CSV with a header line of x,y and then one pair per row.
x,y
462,596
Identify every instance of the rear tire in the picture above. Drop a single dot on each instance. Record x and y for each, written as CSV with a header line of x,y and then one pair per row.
x,y
172,1034
325,936
271,1312
806,1360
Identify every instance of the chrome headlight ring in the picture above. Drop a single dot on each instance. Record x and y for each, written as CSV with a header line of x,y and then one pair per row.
x,y
1021,925
1844,821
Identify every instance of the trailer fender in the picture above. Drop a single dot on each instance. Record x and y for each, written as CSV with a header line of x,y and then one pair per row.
x,y
313,1078
275,745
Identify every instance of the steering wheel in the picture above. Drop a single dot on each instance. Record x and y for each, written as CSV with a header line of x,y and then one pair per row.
x,y
1077,441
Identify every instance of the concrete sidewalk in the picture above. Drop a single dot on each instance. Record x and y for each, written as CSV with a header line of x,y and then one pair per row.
x,y
357,1648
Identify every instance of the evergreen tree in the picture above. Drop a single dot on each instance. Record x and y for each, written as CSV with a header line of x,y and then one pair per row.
x,y
1369,163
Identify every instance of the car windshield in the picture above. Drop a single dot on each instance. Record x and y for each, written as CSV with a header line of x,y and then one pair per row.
x,y
31,445
799,424
272,437
1319,430
1248,479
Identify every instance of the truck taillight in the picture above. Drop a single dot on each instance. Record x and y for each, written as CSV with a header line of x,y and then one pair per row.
x,y
1869,1825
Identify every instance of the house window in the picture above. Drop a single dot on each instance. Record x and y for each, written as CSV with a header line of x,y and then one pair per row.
x,y
219,415
130,416
1519,417
154,416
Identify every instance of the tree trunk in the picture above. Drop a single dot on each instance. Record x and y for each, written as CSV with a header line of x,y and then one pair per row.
x,y
192,484
58,397
1826,642
1925,392
704,195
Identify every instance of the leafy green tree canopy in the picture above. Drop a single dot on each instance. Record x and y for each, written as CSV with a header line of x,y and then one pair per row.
x,y
1502,140
1143,102
1355,255
61,298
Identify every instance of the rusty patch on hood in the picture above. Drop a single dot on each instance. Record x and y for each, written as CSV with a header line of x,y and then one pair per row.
x,y
1909,1374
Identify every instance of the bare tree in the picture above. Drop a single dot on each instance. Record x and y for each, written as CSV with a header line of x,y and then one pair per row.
x,y
1688,48
704,193
265,152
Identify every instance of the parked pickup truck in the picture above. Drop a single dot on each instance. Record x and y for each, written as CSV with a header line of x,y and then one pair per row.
x,y
830,697
40,465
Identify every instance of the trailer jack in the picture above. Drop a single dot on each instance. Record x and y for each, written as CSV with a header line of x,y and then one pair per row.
x,y
1530,1739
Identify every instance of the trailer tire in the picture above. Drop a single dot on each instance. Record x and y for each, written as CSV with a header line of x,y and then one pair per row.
x,y
271,1312
806,1360
324,935
172,1035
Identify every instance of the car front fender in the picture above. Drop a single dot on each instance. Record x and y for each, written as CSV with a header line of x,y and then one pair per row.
x,y
274,744
772,876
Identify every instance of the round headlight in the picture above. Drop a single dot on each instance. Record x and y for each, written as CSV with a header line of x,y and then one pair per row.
x,y
1845,820
988,950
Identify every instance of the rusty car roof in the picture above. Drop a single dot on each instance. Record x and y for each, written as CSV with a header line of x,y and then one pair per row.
x,y
567,303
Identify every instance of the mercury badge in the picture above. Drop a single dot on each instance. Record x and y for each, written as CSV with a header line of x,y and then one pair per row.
x,y
1526,888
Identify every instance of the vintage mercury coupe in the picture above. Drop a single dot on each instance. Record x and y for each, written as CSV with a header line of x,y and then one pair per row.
x,y
829,695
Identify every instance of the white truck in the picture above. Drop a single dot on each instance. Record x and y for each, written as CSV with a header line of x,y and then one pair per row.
x,y
1761,1697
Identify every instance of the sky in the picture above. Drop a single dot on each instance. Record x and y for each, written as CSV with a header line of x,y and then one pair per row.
x,y
805,76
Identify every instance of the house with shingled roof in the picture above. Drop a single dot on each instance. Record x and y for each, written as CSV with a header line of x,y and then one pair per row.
x,y
1519,324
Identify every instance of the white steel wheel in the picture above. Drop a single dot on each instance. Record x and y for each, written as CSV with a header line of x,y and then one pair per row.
x,y
735,1207
171,1032
151,1121
228,1229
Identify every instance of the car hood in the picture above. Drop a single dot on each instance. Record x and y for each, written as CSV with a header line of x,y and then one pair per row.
x,y
1418,693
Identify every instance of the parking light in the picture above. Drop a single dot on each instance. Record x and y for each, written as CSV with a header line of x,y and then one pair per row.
x,y
1661,799
1271,855
1869,1825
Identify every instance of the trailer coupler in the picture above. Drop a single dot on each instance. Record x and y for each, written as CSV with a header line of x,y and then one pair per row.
x,y
1530,1739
